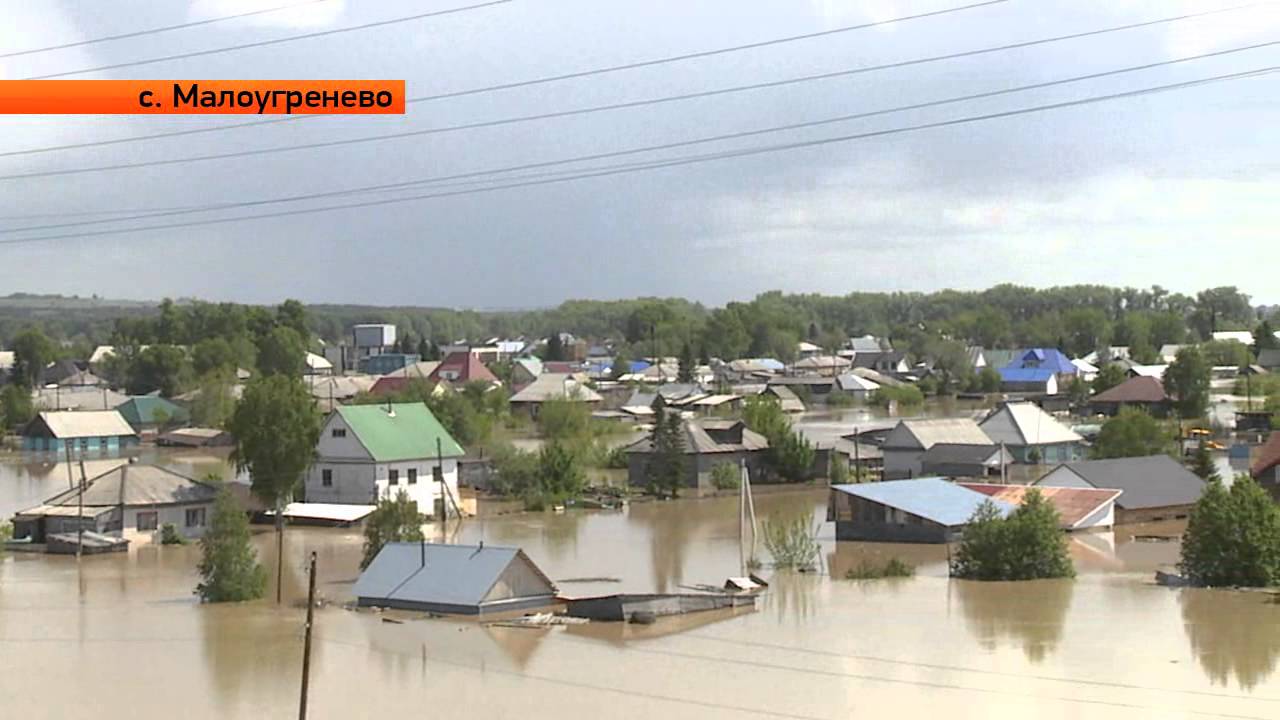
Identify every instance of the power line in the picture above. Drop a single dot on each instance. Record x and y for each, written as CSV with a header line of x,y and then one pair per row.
x,y
610,107
657,164
156,31
276,41
583,73
471,175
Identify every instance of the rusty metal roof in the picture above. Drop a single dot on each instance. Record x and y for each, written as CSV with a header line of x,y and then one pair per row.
x,y
1074,505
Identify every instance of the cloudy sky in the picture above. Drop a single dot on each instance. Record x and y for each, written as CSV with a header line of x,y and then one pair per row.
x,y
1178,189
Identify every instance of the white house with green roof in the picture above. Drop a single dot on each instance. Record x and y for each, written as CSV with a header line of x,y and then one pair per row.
x,y
367,452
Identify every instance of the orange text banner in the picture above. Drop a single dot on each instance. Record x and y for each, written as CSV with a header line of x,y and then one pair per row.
x,y
201,97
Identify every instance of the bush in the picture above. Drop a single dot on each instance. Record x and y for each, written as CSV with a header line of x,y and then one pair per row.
x,y
907,395
395,520
229,567
169,535
792,542
1025,545
1233,537
1132,433
616,458
870,570
726,476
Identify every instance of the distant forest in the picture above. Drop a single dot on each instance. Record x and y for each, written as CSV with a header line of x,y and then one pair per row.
x,y
1077,318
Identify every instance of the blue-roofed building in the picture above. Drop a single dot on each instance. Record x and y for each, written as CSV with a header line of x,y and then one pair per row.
x,y
923,510
453,579
1038,370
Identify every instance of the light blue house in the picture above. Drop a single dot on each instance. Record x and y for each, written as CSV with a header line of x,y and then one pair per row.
x,y
81,431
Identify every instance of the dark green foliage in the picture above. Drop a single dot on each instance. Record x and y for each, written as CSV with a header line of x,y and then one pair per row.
x,y
16,408
221,354
1264,337
666,468
1187,382
726,476
1202,463
1233,537
871,570
685,372
160,367
1109,376
32,351
989,380
1132,433
229,568
282,351
621,365
554,349
790,454
904,396
1229,353
275,426
215,402
560,475
394,520
1025,545
169,535
1078,391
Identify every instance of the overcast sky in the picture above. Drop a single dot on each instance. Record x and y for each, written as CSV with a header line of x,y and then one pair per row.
x,y
1179,189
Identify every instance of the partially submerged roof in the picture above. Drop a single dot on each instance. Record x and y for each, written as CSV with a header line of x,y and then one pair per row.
x,y
933,499
399,431
787,398
850,381
1139,389
450,578
1151,371
1151,481
1024,424
134,484
1074,505
711,436
85,423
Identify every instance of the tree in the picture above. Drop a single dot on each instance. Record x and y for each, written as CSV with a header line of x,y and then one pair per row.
x,y
1109,376
1028,544
1187,381
394,520
1132,433
213,354
1202,463
665,471
989,380
16,408
229,567
555,348
1078,391
685,372
1229,353
560,475
276,427
427,350
282,352
159,367
214,401
790,454
1264,338
1233,537
293,314
32,351
621,365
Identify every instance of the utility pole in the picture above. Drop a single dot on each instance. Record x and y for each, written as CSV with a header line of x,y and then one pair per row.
x,y
444,502
80,513
306,643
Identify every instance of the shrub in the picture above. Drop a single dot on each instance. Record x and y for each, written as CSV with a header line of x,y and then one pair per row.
x,y
1233,537
229,567
1026,545
871,570
395,520
792,542
907,395
726,476
169,535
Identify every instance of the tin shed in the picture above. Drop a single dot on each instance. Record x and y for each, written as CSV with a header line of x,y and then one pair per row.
x,y
453,579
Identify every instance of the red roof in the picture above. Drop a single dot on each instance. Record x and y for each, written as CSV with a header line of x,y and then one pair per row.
x,y
1074,505
1141,389
461,368
1269,456
389,385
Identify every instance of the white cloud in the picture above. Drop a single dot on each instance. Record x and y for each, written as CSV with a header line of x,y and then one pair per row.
x,y
318,14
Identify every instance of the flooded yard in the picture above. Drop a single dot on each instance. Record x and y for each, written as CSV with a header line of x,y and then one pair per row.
x,y
123,635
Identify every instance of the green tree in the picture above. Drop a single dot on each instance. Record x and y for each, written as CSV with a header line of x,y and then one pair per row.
x,y
560,475
213,354
293,314
555,348
229,567
684,373
1078,391
1187,381
989,380
1028,544
1202,463
16,408
666,468
215,400
1109,376
276,427
790,454
621,365
1226,353
282,352
727,476
1132,433
394,520
32,351
159,367
1264,338
1233,537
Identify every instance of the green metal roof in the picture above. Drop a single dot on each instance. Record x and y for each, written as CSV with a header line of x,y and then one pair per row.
x,y
408,432
146,409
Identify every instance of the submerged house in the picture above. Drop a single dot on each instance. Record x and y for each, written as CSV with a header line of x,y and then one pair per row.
x,y
1156,487
1078,508
959,460
706,443
923,510
151,412
454,579
131,500
368,452
554,386
906,444
79,431
1032,435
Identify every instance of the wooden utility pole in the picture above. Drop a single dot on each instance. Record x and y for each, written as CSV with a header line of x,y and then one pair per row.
x,y
306,643
444,501
80,513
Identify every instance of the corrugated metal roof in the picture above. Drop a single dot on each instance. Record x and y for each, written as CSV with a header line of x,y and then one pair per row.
x,y
698,440
1074,505
138,484
1151,371
1044,359
953,453
934,499
548,386
86,423
148,409
957,431
460,575
1026,375
409,431
1152,481
1268,456
1024,423
1140,389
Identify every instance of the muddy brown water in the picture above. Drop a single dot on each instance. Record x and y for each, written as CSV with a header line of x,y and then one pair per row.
x,y
122,636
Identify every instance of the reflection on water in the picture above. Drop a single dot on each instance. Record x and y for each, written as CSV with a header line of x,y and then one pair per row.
x,y
1233,634
1028,614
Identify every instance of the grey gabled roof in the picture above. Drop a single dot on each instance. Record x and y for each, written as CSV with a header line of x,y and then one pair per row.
x,y
956,453
454,575
933,499
136,484
1147,482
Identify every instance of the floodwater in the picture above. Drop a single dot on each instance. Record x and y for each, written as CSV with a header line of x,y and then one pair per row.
x,y
121,635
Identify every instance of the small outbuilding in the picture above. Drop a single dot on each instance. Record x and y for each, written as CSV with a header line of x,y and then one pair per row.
x,y
923,510
454,580
1141,391
92,430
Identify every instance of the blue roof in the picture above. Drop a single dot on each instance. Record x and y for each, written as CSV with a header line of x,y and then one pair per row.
x,y
1026,375
454,575
1045,358
931,498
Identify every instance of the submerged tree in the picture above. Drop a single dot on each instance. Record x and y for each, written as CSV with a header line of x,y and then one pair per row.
x,y
1132,433
1187,380
394,520
665,471
1028,544
1233,537
229,567
1202,463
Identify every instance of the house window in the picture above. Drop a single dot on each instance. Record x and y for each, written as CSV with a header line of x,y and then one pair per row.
x,y
326,478
148,520
195,517
393,477
338,432
413,476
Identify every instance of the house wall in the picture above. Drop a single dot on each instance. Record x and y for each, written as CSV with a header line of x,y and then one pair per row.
x,y
1104,517
902,463
93,444
166,514
861,519
519,579
697,468
1062,477
1049,454
1140,515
